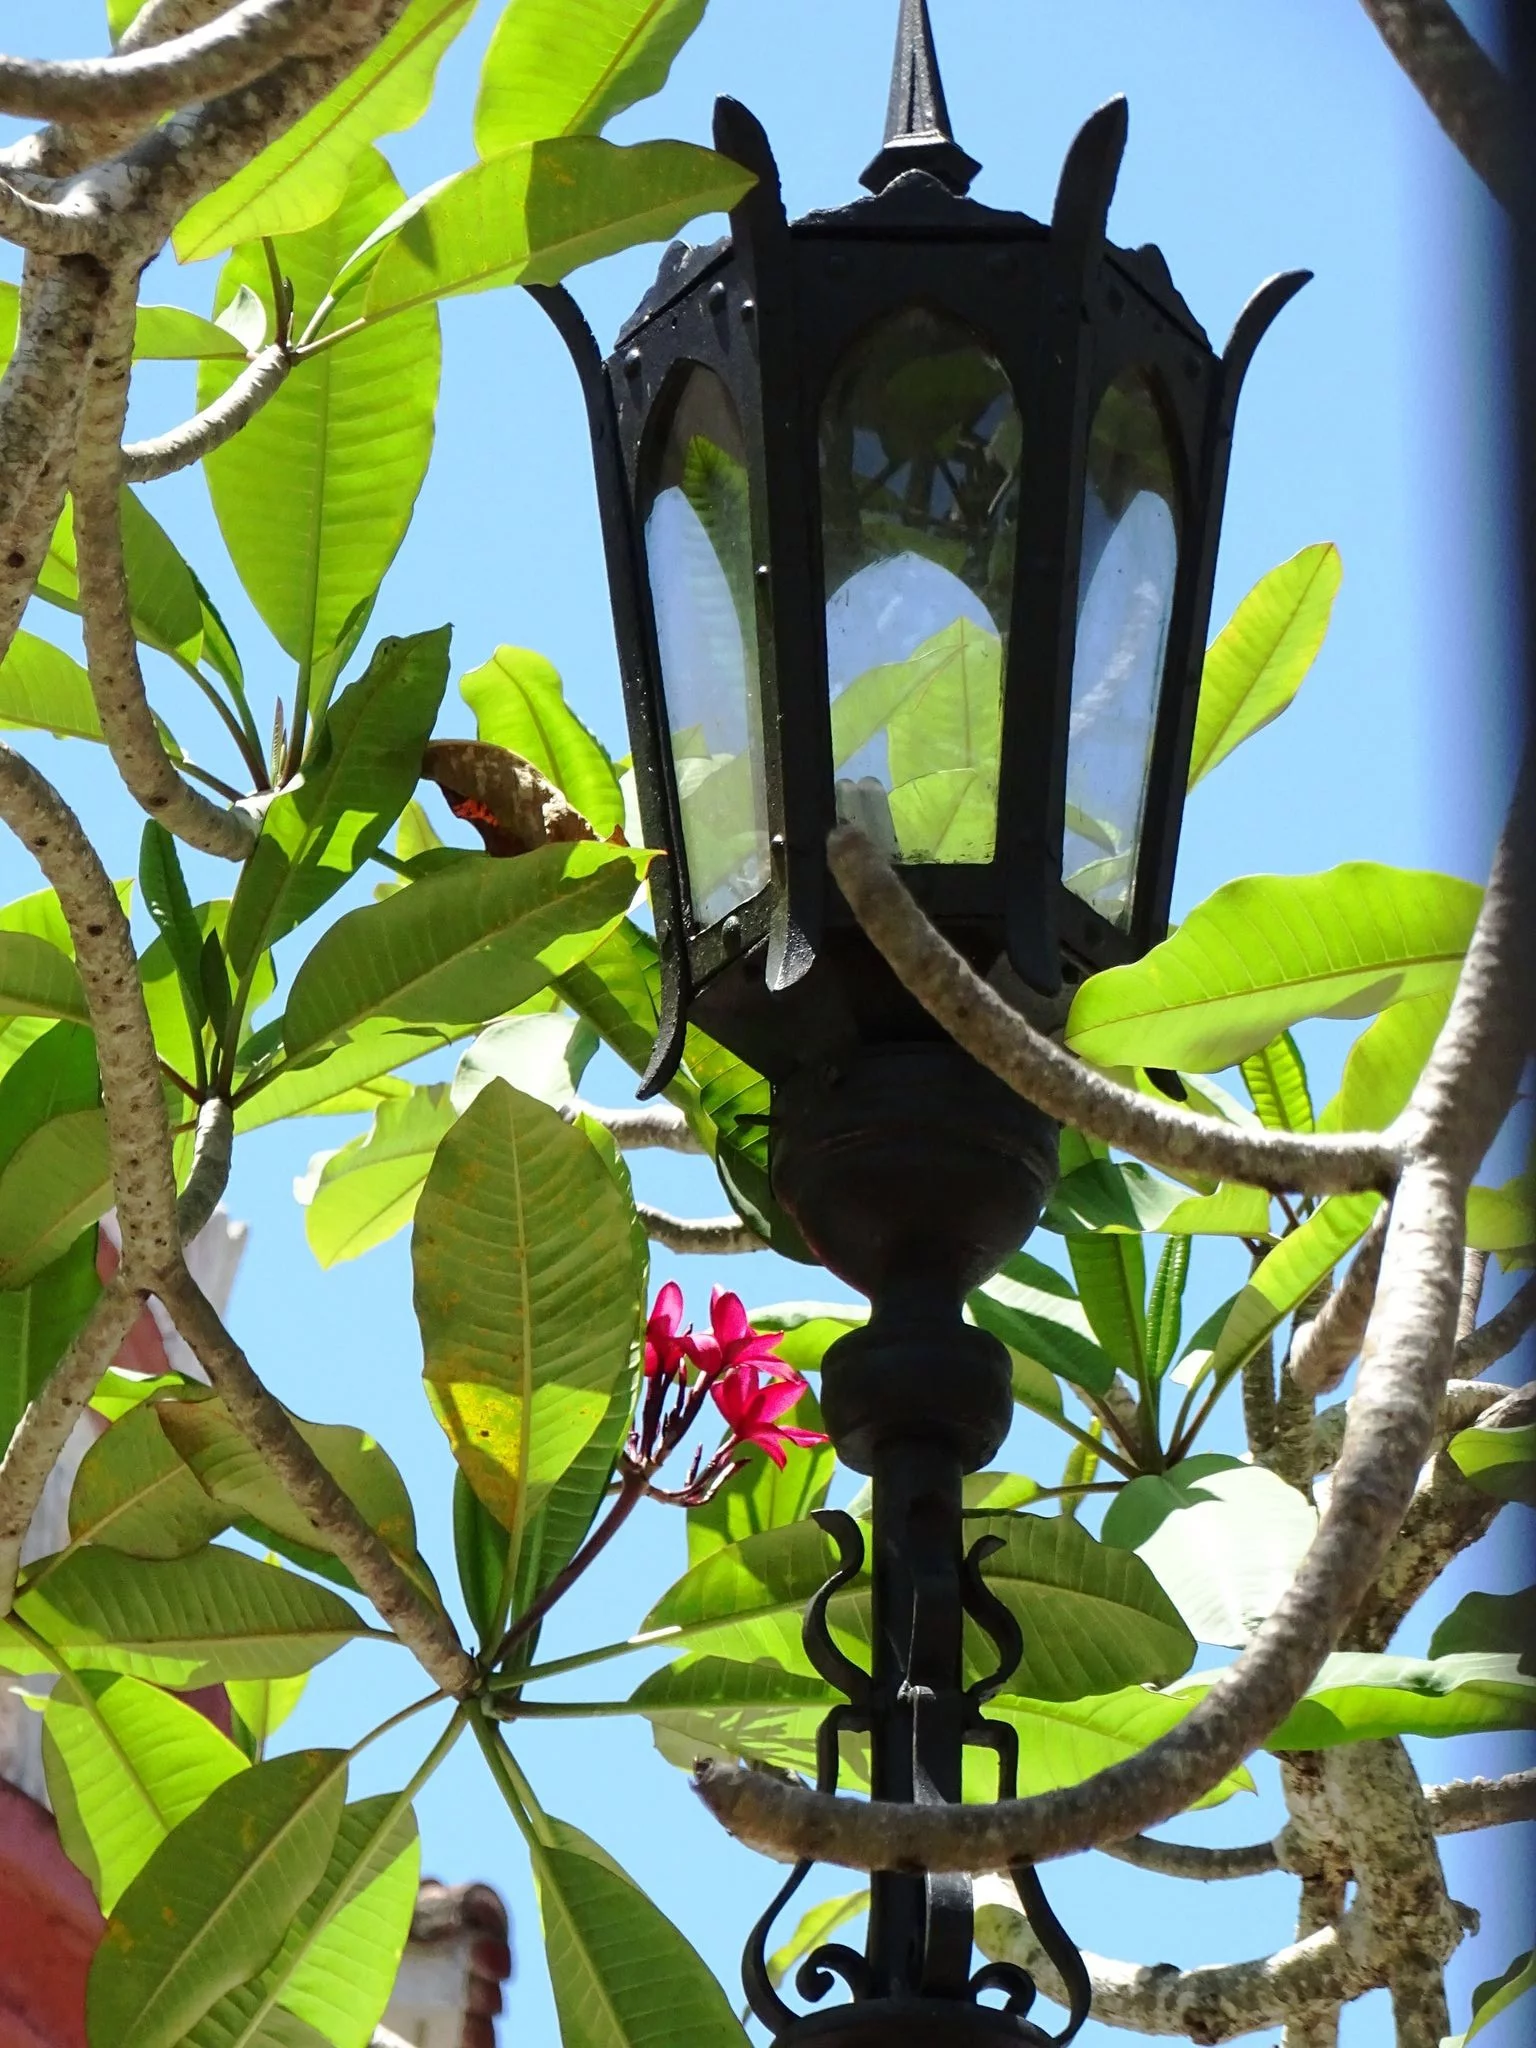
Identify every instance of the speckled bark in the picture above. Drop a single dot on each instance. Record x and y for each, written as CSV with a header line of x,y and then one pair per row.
x,y
1458,81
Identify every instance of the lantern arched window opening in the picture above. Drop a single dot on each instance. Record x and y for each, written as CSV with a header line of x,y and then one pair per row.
x,y
698,547
1126,587
920,446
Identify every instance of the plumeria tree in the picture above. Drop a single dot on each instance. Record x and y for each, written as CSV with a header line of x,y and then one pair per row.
x,y
216,1537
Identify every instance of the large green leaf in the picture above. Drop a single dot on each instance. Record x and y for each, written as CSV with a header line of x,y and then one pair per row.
x,y
617,988
1227,1550
1111,1275
300,180
1261,658
55,1171
1357,1697
1384,1063
126,1763
340,1956
1062,1742
133,1493
543,1053
1281,1282
522,1351
1497,1995
1503,1623
357,780
241,1482
566,67
261,1705
1503,1220
537,212
314,495
38,1322
623,1976
519,704
360,1196
1036,1313
1268,950
214,1901
1498,1461
1276,1078
1094,1618
189,1621
1117,1195
349,1077
164,601
463,945
43,689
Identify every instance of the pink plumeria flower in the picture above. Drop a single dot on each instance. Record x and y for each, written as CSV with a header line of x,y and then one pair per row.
x,y
732,1341
668,1347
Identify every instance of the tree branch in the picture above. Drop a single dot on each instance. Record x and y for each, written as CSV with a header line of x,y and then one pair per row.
x,y
44,228
227,53
111,647
1457,1107
157,21
1193,1861
976,1016
264,375
1468,1804
718,1237
1458,81
1496,1338
658,1127
266,1425
1324,1349
212,1151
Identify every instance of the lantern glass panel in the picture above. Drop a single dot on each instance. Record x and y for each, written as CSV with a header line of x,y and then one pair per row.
x,y
920,447
698,545
1130,566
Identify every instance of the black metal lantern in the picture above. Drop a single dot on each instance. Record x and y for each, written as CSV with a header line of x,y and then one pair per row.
x,y
911,512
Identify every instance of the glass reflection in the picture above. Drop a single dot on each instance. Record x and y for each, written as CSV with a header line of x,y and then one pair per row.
x,y
920,447
1125,604
698,545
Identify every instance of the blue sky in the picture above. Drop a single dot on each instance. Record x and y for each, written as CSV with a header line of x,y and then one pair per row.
x,y
1262,138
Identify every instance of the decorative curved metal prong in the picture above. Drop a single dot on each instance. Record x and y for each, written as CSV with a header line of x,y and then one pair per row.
x,y
1059,1949
827,1659
764,2000
1090,174
823,1966
743,138
671,1019
1253,323
999,1623
1013,1980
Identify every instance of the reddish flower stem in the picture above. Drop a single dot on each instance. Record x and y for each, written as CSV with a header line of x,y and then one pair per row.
x,y
630,1494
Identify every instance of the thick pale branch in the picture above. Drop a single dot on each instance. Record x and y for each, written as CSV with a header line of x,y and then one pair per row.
x,y
656,1128
267,1427
46,229
1457,1108
1498,1337
1458,81
1324,1349
994,1033
1468,1804
45,1426
212,1151
157,21
111,647
719,1237
226,53
144,461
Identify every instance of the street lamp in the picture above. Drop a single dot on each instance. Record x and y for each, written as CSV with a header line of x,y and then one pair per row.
x,y
911,513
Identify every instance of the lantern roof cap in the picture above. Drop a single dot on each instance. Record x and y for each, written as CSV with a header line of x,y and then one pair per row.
x,y
918,136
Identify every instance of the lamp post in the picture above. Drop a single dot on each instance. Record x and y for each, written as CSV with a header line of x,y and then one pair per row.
x,y
911,513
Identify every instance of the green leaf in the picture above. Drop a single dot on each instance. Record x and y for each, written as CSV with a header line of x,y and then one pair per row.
x,y
1261,658
43,689
171,334
1503,1219
37,980
134,1494
1357,1697
1501,1462
519,704
55,1174
38,1322
262,1705
813,1928
623,1976
238,1478
463,945
1111,1277
1268,950
1276,1078
543,1054
751,1712
362,1195
1062,1742
1503,1623
125,1764
480,1551
761,1496
165,999
1094,1619
1035,1313
1384,1063
164,601
1165,1312
164,890
566,67
617,988
366,761
1115,1195
313,496
299,181
189,1621
523,1352
214,1901
334,1972
1228,1550
349,1077
1281,1282
1497,1995
536,213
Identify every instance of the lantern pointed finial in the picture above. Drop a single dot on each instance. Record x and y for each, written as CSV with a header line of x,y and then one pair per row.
x,y
917,131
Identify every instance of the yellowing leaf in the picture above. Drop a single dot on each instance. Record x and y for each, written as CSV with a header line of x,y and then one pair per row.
x,y
1261,658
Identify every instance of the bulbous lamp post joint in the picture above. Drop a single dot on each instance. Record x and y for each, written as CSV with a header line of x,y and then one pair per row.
x,y
911,512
